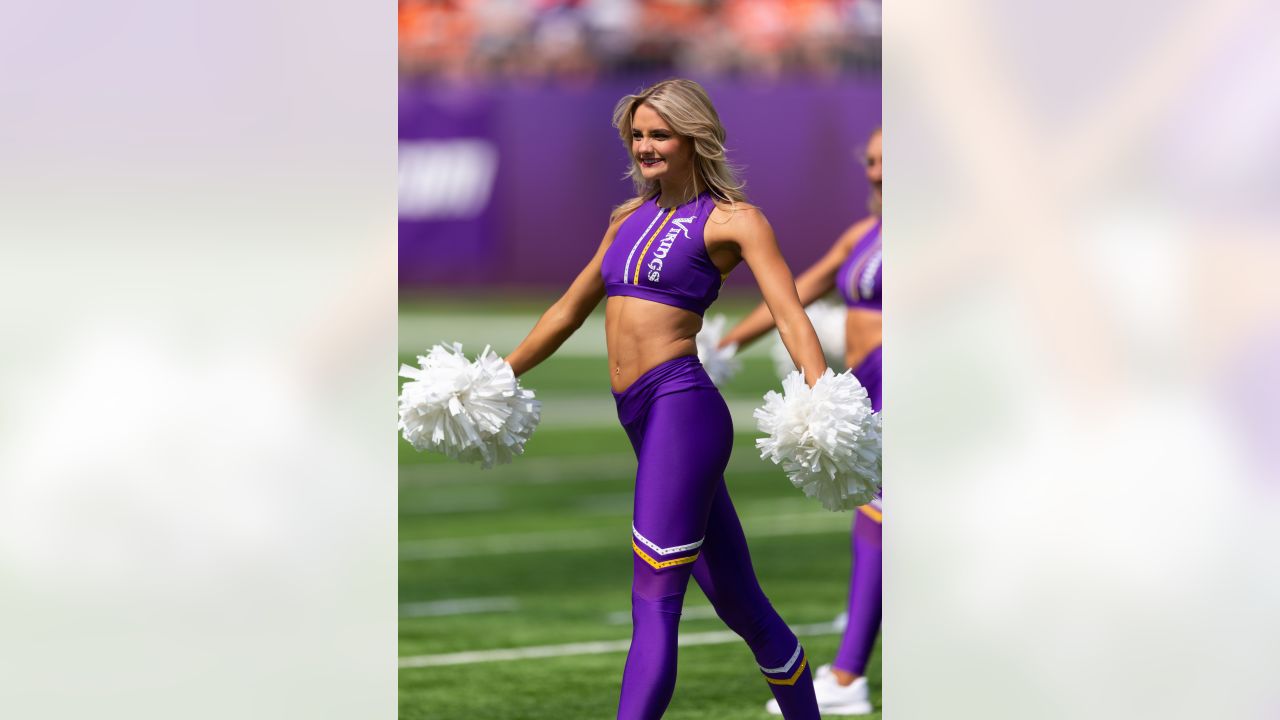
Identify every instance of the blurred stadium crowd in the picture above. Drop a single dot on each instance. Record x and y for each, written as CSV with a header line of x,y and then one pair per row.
x,y
466,40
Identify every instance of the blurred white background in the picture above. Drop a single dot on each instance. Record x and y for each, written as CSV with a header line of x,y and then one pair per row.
x,y
197,457
1082,349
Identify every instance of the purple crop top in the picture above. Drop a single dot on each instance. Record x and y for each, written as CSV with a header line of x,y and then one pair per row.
x,y
859,278
660,255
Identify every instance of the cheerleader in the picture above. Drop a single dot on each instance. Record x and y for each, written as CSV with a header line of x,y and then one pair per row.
x,y
660,264
853,267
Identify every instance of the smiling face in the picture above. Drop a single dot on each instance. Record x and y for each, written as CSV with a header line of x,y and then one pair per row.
x,y
659,152
874,163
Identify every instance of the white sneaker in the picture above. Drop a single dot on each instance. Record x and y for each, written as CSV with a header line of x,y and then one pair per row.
x,y
834,698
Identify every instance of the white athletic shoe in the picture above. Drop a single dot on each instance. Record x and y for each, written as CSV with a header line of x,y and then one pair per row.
x,y
834,698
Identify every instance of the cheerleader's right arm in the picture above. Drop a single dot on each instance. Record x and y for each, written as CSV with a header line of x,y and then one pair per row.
x,y
566,315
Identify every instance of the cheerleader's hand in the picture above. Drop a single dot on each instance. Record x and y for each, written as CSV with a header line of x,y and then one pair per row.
x,y
720,362
470,411
826,438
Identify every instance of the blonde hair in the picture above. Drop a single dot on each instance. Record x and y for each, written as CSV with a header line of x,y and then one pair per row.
x,y
687,109
874,204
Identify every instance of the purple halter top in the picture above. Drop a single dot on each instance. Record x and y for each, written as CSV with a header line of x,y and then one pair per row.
x,y
859,278
660,255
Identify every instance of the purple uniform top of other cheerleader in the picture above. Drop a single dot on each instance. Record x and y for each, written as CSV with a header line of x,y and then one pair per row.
x,y
859,278
660,255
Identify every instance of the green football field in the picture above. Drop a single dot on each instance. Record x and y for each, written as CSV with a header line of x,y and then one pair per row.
x,y
515,581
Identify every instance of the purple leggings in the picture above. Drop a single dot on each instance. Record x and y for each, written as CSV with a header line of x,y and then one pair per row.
x,y
684,524
865,596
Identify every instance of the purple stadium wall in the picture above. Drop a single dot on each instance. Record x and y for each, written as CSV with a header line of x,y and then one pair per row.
x,y
513,186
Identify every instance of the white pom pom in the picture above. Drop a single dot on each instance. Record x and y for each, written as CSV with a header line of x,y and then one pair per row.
x,y
719,362
470,411
826,438
828,320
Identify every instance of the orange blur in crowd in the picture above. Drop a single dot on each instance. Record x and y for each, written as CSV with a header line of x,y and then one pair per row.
x,y
574,39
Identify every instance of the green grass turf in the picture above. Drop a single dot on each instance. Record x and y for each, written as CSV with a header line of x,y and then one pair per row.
x,y
577,482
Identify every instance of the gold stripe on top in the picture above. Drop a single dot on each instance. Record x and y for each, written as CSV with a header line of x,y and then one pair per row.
x,y
665,563
791,680
872,513
640,260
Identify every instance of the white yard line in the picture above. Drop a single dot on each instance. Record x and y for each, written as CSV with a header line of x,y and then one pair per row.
x,y
477,498
458,606
560,411
419,331
550,470
717,637
589,411
523,471
517,543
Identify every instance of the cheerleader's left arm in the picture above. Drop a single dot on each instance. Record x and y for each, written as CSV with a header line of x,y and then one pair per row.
x,y
759,248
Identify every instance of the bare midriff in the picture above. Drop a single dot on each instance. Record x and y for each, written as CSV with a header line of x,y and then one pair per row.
x,y
862,333
642,334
